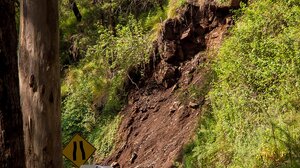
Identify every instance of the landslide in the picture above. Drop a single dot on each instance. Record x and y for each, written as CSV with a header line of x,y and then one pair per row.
x,y
163,110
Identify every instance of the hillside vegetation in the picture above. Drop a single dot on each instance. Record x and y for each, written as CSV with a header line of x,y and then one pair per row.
x,y
253,116
97,55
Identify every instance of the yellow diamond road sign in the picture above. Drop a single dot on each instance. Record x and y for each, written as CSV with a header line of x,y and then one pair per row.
x,y
78,150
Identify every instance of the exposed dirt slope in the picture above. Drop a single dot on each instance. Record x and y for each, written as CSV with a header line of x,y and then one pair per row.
x,y
159,119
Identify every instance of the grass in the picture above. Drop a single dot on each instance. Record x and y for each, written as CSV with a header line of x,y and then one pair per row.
x,y
254,119
173,7
102,72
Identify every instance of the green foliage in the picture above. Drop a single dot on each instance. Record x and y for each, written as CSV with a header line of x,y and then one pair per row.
x,y
154,17
197,92
108,42
254,119
173,7
75,37
152,21
104,135
223,2
102,72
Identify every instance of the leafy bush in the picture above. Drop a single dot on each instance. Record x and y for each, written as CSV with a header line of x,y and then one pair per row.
x,y
102,72
105,54
254,119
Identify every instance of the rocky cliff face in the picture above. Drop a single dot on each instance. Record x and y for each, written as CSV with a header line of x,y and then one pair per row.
x,y
158,121
196,29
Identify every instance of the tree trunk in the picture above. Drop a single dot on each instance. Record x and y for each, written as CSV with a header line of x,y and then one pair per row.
x,y
11,125
40,83
75,10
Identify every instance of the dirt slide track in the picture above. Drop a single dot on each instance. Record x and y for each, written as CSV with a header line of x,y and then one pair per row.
x,y
158,121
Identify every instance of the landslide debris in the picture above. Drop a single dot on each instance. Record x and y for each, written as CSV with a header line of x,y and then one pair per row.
x,y
159,120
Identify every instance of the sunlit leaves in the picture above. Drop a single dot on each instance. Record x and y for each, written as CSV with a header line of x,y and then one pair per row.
x,y
254,118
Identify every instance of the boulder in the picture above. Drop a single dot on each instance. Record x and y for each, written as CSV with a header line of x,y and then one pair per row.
x,y
166,75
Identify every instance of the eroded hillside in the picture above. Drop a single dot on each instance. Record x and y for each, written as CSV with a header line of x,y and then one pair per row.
x,y
183,101
164,107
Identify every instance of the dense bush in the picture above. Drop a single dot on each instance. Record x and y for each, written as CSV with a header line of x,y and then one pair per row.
x,y
102,73
254,116
96,55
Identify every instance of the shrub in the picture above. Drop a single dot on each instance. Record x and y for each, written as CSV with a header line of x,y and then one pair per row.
x,y
254,120
102,71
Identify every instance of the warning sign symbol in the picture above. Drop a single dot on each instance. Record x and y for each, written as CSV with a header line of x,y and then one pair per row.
x,y
78,150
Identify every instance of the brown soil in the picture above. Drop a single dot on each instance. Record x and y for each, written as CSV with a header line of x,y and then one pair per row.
x,y
161,118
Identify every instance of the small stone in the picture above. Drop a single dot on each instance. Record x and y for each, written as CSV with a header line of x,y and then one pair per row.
x,y
190,79
174,107
115,165
167,75
136,109
156,108
193,105
143,109
133,157
186,34
151,106
162,99
145,117
175,87
181,108
192,70
130,122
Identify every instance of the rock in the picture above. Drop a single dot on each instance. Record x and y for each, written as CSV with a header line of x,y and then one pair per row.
x,y
193,105
185,34
181,108
175,87
174,107
162,99
143,109
189,79
133,157
136,109
156,109
166,75
170,29
168,42
214,35
145,117
192,70
151,106
184,115
229,20
130,122
115,165
168,50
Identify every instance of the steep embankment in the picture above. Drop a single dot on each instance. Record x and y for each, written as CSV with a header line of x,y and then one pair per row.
x,y
254,119
164,108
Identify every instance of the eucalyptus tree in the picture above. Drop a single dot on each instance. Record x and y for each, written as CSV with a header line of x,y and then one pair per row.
x,y
39,74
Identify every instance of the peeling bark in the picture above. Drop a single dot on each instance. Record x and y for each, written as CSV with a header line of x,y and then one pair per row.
x,y
40,83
